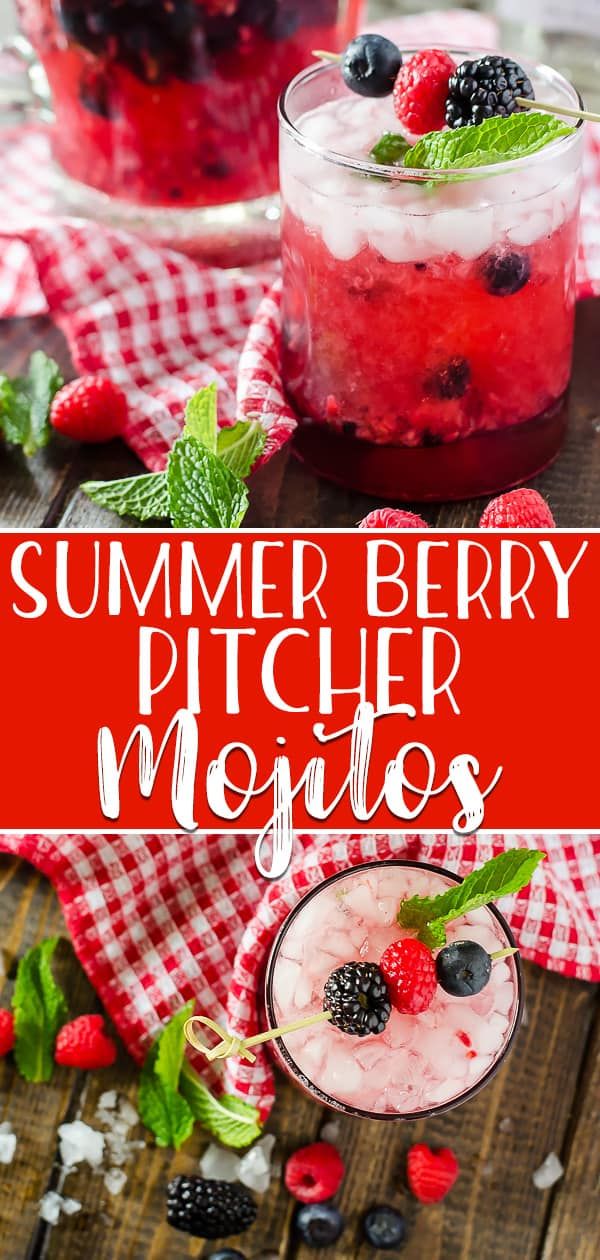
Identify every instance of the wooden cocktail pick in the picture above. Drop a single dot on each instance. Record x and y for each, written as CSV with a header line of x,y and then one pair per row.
x,y
230,1046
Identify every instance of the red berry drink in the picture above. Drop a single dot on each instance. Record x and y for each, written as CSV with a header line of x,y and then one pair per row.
x,y
434,1049
172,103
427,313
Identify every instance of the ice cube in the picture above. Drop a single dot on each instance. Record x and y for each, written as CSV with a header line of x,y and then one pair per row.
x,y
304,991
220,1164
504,998
287,975
6,1127
108,1100
330,1132
532,228
114,1180
80,1143
255,1165
8,1146
50,1207
70,1206
342,235
360,900
342,1076
548,1173
128,1113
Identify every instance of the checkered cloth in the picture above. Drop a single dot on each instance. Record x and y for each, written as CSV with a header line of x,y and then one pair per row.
x,y
162,325
157,920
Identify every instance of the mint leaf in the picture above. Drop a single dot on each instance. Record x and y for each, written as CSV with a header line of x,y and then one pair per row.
x,y
234,1122
40,1009
494,140
201,417
145,497
25,403
240,445
161,1106
203,492
504,874
390,149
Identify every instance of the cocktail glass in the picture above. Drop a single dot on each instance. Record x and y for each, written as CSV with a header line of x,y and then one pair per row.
x,y
427,320
420,1065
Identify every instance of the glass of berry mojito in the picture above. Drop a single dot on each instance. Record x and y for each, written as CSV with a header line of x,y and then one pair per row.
x,y
165,110
429,236
414,1031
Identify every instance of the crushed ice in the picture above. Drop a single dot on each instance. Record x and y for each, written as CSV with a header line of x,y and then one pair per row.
x,y
8,1142
52,1204
548,1173
80,1144
330,1132
254,1169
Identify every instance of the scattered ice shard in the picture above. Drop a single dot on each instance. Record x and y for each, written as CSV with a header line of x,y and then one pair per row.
x,y
548,1173
80,1143
220,1164
255,1165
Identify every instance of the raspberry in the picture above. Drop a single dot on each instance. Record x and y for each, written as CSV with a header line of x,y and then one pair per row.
x,y
431,1174
7,1032
314,1173
83,1044
409,970
392,518
90,409
519,509
421,89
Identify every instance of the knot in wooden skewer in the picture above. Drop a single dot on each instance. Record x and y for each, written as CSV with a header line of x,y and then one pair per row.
x,y
228,1047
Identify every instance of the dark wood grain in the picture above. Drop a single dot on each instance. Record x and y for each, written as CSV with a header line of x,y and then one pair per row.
x,y
547,1097
44,491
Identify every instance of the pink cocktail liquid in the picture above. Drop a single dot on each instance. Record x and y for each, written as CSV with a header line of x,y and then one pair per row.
x,y
420,1063
416,374
172,103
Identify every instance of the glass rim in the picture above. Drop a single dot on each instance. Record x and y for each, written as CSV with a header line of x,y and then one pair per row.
x,y
399,174
337,1104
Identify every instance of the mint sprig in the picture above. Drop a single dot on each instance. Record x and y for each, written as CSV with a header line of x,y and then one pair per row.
x,y
390,149
172,1097
494,140
25,403
203,484
505,874
162,1108
234,1122
203,492
40,1010
145,497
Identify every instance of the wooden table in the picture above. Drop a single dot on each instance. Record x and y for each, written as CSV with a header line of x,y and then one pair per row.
x,y
44,491
547,1098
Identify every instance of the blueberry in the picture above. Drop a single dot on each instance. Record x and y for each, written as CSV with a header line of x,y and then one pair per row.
x,y
370,64
450,381
384,1228
505,272
226,1253
463,968
318,1224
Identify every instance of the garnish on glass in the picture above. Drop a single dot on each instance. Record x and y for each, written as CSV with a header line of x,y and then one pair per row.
x,y
358,996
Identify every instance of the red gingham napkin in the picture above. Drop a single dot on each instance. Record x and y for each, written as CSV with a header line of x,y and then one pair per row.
x,y
162,325
157,920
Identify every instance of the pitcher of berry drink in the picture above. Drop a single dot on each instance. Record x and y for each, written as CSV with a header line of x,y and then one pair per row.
x,y
163,112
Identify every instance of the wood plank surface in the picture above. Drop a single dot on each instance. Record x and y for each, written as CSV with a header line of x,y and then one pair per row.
x,y
547,1097
44,491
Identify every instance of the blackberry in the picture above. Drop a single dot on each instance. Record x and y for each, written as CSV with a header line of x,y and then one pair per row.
x,y
480,89
357,996
450,381
505,271
370,64
384,1228
463,968
318,1224
209,1209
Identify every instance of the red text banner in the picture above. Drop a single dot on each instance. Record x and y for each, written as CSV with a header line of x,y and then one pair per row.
x,y
264,681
